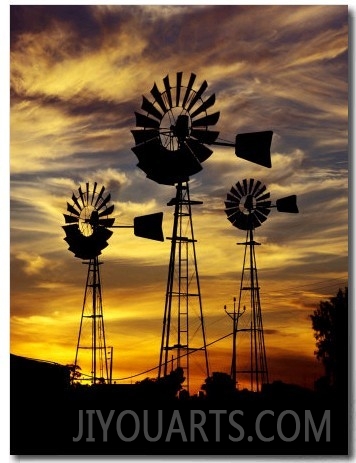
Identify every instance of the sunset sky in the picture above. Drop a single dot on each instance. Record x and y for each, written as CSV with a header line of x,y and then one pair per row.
x,y
78,74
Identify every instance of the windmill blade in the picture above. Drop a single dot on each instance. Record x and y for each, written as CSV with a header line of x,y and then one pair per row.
x,y
231,198
189,88
256,187
145,121
74,199
109,210
93,194
234,192
70,219
240,220
260,191
198,95
158,98
149,226
287,204
204,136
150,108
230,207
240,189
143,136
266,204
265,196
100,196
211,119
253,221
263,210
261,217
204,106
201,152
148,155
88,247
178,87
255,147
168,90
71,209
71,231
87,193
81,195
104,202
102,234
233,215
185,162
149,169
147,152
250,188
245,188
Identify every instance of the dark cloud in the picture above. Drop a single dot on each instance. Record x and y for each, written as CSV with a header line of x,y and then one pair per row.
x,y
36,18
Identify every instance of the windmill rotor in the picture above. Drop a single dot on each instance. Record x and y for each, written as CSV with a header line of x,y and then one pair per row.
x,y
86,225
248,204
173,133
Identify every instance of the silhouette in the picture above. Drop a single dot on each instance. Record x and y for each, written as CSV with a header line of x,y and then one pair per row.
x,y
171,146
166,387
330,325
219,385
87,233
247,207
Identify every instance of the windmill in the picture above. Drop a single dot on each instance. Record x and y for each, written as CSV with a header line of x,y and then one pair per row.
x,y
87,229
248,205
171,145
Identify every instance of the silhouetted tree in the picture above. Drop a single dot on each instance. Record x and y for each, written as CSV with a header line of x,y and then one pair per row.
x,y
330,323
171,384
166,387
219,386
75,373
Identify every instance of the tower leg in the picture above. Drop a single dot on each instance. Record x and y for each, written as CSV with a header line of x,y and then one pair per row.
x,y
183,293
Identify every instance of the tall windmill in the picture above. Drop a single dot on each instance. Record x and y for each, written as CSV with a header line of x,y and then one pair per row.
x,y
87,229
248,205
171,145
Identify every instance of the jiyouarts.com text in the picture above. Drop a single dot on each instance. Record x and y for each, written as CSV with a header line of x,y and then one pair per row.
x,y
202,425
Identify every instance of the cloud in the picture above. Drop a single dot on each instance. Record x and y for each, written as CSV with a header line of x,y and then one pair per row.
x,y
33,264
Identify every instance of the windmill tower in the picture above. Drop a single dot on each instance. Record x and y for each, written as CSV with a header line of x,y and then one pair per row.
x,y
87,233
170,147
247,206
